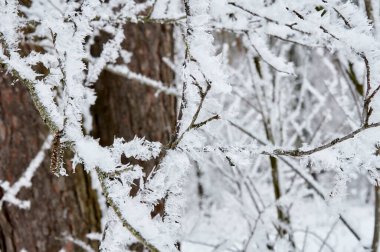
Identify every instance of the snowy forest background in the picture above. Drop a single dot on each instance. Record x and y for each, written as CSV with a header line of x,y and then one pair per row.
x,y
189,125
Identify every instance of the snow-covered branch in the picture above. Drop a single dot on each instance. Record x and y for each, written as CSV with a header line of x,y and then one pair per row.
x,y
260,82
25,181
124,71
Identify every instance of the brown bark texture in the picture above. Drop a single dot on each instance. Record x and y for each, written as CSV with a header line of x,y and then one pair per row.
x,y
126,108
59,206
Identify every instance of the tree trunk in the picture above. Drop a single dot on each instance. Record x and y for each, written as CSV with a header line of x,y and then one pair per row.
x,y
59,206
369,9
126,108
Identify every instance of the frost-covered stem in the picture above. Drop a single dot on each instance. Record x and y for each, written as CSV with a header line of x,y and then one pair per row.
x,y
261,56
142,19
252,232
26,178
262,142
139,19
212,118
187,9
184,86
307,232
79,243
376,230
193,124
269,20
180,115
343,18
305,239
102,177
123,71
281,215
328,235
301,153
367,112
53,128
367,109
40,107
308,179
358,87
188,57
183,105
251,195
367,99
148,16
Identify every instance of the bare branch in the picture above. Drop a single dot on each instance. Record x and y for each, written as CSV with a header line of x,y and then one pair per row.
x,y
117,210
10,192
198,125
124,71
300,153
328,235
310,181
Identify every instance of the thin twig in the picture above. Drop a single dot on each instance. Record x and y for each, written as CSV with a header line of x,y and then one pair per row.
x,y
300,153
376,228
291,26
315,235
10,192
117,210
310,181
328,235
252,233
305,239
123,71
263,58
86,247
212,118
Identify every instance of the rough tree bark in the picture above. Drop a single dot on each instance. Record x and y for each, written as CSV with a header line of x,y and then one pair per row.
x,y
126,108
65,205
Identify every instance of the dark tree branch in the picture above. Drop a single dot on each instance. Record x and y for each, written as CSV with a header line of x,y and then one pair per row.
x,y
300,153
